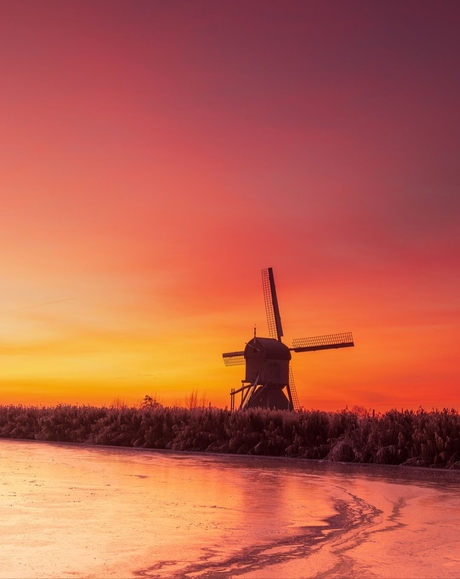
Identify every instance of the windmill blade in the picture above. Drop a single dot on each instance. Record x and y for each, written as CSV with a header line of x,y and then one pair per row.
x,y
292,391
275,330
328,342
233,358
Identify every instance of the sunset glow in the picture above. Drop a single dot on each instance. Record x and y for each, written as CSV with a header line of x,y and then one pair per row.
x,y
155,156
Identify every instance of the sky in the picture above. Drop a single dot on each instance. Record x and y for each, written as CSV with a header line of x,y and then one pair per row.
x,y
156,156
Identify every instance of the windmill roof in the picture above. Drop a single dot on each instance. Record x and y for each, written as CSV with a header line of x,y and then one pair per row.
x,y
268,347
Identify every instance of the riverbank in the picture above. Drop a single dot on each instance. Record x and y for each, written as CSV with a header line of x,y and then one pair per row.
x,y
420,438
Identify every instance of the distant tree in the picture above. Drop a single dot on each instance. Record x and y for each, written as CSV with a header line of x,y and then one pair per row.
x,y
149,402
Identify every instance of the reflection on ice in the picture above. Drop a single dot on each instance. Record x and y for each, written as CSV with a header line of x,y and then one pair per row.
x,y
73,511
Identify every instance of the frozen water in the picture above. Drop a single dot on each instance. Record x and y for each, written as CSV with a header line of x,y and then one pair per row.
x,y
76,511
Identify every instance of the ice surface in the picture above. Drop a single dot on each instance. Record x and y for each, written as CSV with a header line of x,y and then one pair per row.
x,y
76,511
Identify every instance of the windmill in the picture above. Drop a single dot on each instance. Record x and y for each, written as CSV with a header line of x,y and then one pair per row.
x,y
268,371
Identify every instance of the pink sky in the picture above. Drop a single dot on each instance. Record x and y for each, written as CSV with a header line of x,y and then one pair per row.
x,y
155,156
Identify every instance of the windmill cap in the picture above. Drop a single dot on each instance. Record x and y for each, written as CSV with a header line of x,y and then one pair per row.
x,y
267,348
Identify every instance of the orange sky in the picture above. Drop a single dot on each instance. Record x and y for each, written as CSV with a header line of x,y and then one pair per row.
x,y
155,156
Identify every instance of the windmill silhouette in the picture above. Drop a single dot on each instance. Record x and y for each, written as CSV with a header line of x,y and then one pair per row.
x,y
268,372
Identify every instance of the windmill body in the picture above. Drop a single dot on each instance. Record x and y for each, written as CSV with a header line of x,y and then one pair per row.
x,y
269,381
267,360
267,374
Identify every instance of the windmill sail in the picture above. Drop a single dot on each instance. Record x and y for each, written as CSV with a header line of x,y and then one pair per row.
x,y
344,340
275,329
233,358
292,391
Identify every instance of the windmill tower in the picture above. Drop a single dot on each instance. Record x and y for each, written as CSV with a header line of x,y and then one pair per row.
x,y
268,372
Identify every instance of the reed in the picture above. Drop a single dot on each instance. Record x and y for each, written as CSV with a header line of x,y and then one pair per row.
x,y
396,437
